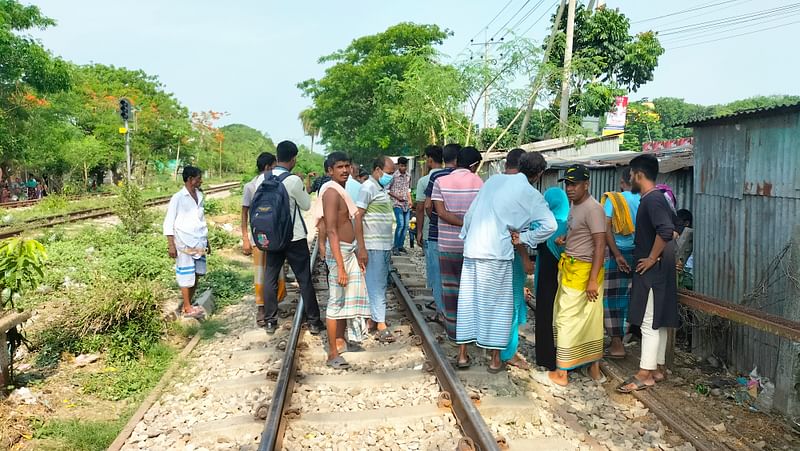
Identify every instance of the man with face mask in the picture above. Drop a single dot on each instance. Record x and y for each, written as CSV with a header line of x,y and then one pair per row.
x,y
578,307
374,234
486,297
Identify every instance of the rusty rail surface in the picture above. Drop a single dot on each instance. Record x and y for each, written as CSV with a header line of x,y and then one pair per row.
x,y
93,213
469,418
741,314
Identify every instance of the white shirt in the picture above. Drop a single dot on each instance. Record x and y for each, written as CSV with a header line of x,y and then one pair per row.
x,y
247,197
186,220
505,202
297,197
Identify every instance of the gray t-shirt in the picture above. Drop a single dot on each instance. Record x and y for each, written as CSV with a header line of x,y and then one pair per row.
x,y
584,219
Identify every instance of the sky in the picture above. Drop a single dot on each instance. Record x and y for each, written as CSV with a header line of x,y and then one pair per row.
x,y
245,57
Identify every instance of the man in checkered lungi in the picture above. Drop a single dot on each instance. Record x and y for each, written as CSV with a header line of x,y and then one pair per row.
x,y
620,208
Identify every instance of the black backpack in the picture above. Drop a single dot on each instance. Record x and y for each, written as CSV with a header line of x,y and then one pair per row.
x,y
271,221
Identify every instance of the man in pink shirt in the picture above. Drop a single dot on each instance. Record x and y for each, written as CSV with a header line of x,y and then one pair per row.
x,y
452,196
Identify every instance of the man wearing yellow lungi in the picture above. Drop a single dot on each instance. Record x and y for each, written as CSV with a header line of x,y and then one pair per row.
x,y
578,309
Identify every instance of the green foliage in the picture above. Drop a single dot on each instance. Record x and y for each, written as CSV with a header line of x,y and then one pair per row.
x,y
218,238
241,147
212,207
53,204
229,282
77,435
350,106
130,379
131,210
21,265
308,162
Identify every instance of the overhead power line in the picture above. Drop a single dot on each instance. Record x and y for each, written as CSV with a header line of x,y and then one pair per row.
x,y
731,20
493,19
700,33
735,35
511,18
685,11
523,19
540,18
703,14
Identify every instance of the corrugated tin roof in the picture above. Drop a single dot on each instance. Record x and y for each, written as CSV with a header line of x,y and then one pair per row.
x,y
745,114
668,160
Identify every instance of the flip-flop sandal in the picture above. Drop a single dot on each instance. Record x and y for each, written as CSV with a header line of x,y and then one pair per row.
x,y
637,385
464,365
585,373
385,336
660,379
607,355
430,305
339,363
195,312
434,319
499,369
518,362
543,378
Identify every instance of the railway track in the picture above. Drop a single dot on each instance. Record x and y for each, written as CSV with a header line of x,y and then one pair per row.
x,y
28,203
92,213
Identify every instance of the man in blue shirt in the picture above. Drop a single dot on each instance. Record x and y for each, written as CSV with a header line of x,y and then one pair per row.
x,y
621,208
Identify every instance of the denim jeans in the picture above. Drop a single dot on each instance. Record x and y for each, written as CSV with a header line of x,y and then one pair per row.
x,y
402,218
377,278
432,273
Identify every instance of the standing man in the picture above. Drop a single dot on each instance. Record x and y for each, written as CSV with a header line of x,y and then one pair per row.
x,y
433,161
449,159
347,293
452,196
654,295
353,185
487,296
578,309
620,208
373,225
297,252
400,191
264,163
187,237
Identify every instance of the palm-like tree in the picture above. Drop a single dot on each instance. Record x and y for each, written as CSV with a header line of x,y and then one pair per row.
x,y
310,128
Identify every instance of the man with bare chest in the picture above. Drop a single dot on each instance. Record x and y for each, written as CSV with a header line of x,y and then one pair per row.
x,y
347,291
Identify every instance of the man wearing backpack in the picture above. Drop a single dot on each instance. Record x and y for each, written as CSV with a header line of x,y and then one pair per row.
x,y
295,248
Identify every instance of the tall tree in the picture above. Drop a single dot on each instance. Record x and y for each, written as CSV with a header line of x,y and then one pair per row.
x,y
352,106
309,124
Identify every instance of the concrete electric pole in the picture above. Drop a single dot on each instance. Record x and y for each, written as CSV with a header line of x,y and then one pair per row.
x,y
563,117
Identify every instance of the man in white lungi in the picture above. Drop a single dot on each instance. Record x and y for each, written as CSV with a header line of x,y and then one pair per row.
x,y
187,236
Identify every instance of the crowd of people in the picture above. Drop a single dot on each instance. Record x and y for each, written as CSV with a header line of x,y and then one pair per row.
x,y
15,189
602,268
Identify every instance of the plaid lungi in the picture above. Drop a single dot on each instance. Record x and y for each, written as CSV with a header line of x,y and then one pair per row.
x,y
348,301
450,264
617,294
259,272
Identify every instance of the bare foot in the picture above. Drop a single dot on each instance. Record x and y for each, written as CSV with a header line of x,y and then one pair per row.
x,y
559,377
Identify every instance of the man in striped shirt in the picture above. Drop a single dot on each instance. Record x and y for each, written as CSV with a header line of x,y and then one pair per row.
x,y
452,196
373,223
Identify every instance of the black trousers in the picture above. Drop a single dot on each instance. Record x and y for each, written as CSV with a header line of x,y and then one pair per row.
x,y
546,288
300,261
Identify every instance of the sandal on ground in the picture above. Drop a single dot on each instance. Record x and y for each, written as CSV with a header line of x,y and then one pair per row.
x,y
585,372
609,355
465,364
194,312
637,385
385,336
430,305
434,319
519,362
339,363
662,378
350,347
499,369
543,377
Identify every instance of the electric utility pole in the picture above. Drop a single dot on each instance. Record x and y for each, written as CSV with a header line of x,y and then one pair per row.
x,y
563,117
486,43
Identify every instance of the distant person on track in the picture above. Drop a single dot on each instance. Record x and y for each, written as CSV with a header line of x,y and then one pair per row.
x,y
265,163
297,253
546,279
620,208
373,227
452,196
187,237
31,186
578,308
347,289
491,301
654,295
433,271
433,161
400,191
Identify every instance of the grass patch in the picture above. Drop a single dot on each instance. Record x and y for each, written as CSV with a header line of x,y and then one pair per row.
x,y
130,379
78,435
229,281
211,327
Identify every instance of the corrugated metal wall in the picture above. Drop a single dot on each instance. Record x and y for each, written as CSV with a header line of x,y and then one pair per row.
x,y
747,177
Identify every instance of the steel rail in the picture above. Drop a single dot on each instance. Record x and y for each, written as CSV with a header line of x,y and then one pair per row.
x,y
29,202
93,213
741,314
275,425
469,418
